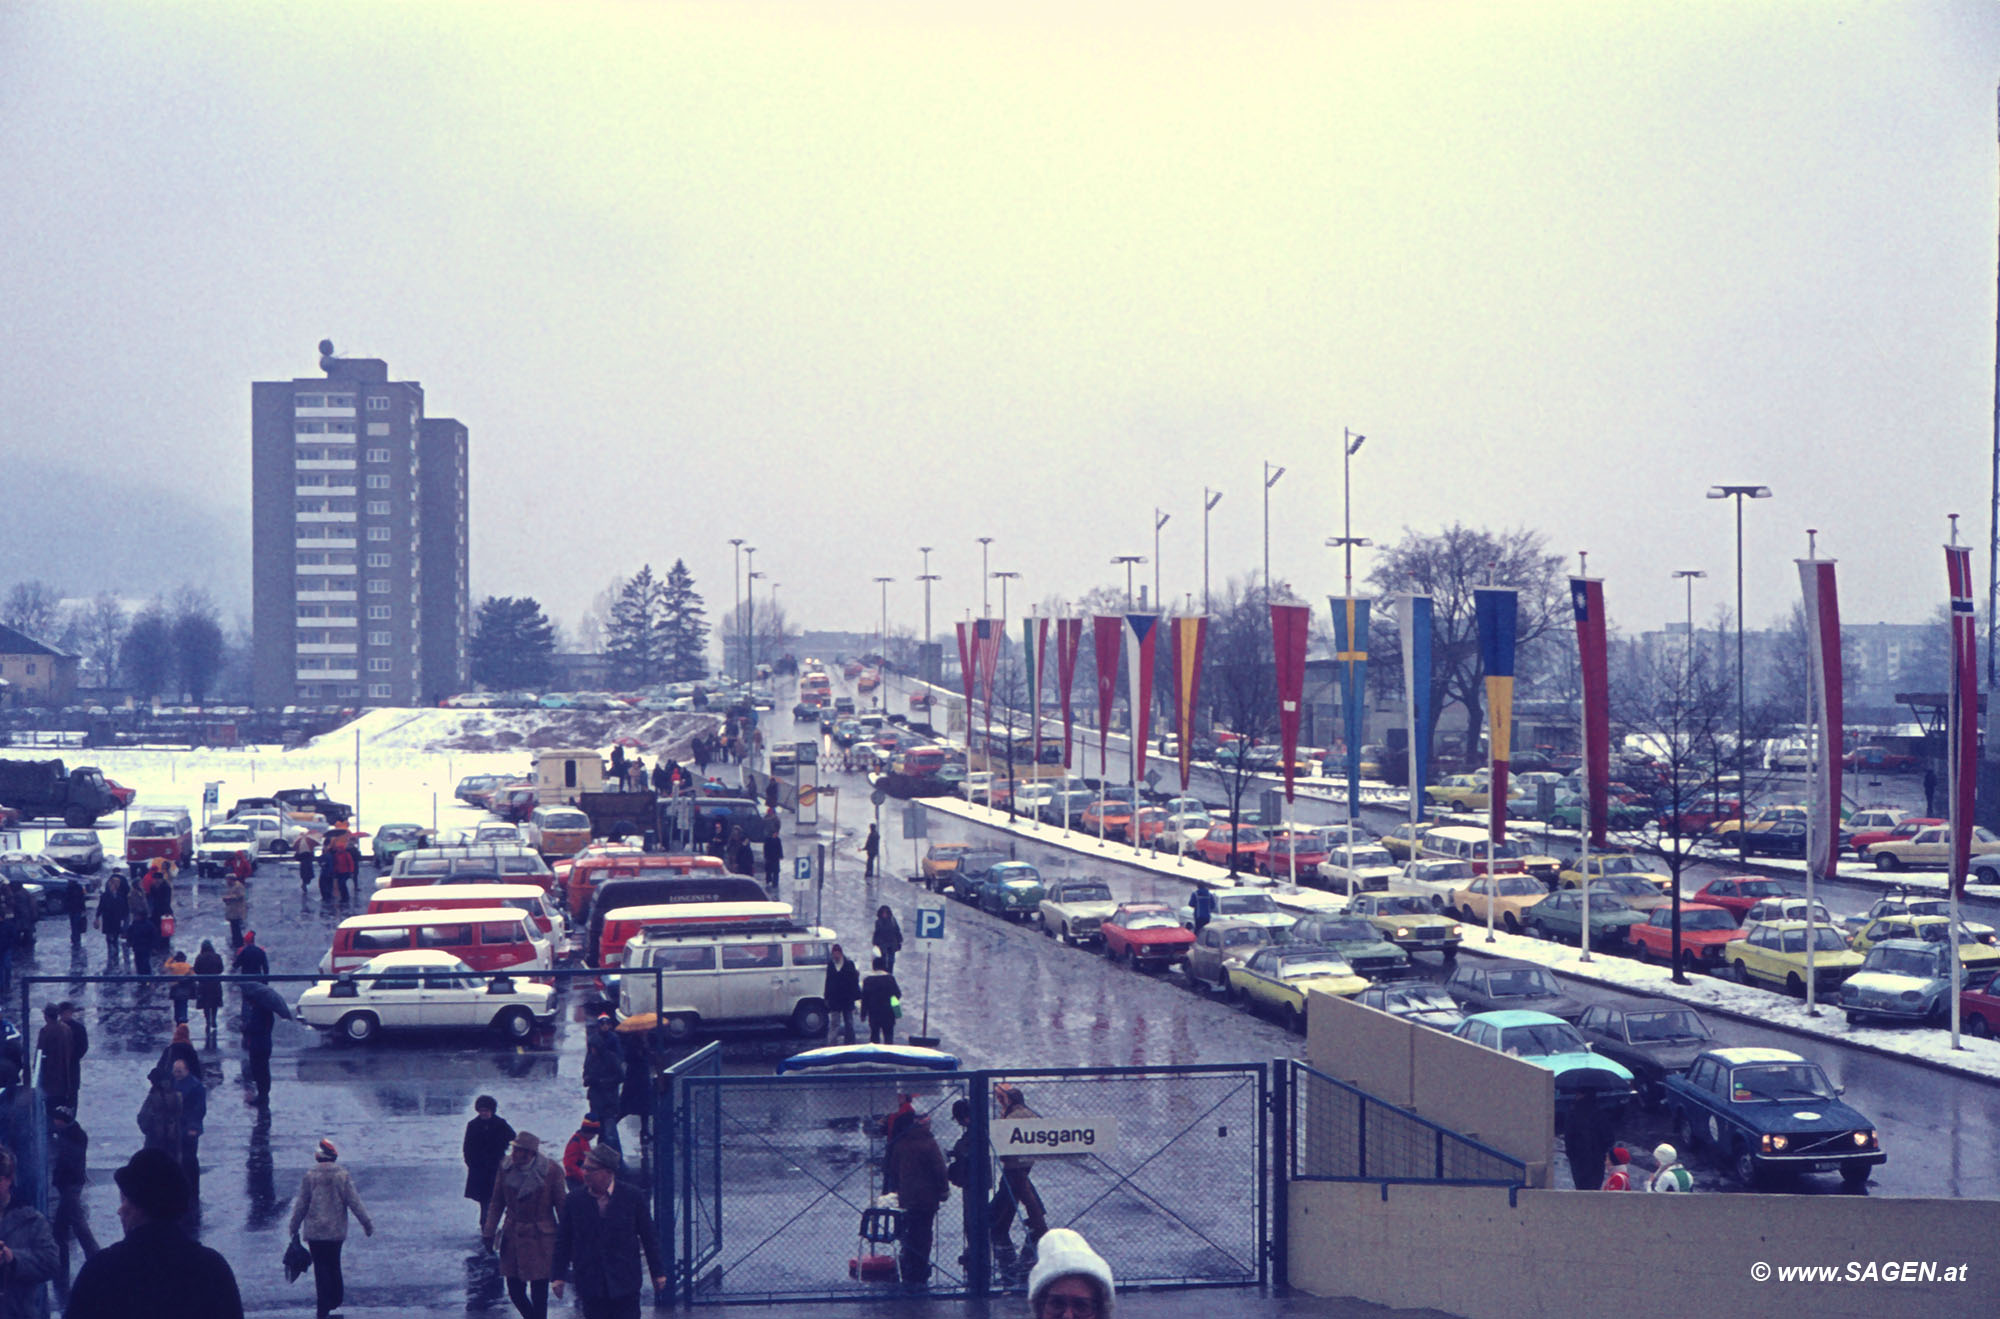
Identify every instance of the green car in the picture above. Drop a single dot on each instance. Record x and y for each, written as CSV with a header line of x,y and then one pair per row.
x,y
392,840
1357,941
1560,916
1567,813
1012,889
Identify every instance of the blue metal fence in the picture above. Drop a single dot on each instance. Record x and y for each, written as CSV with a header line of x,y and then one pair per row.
x,y
1338,1133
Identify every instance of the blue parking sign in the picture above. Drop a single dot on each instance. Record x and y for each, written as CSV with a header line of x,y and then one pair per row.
x,y
802,867
930,922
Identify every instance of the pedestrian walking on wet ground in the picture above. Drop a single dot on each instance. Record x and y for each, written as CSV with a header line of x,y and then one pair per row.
x,y
1202,905
524,1214
76,905
603,1074
157,1271
841,991
774,853
250,959
302,852
69,1147
57,1047
236,907
1017,1186
194,1116
160,1115
917,1168
487,1137
741,860
880,997
208,987
113,907
1586,1137
871,848
888,937
141,931
319,1216
79,1038
28,1255
1070,1280
181,988
606,1228
262,1006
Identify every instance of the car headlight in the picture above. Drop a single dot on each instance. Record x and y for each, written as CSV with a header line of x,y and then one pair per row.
x,y
1457,930
1402,932
1775,1144
1865,1139
1912,996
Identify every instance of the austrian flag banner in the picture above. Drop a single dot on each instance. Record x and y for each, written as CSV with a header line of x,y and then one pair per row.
x,y
1289,625
1105,631
1190,635
1586,594
1140,629
1497,611
1069,640
1034,645
1822,607
1962,712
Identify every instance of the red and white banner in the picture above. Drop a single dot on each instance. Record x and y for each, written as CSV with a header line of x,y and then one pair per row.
x,y
1140,629
968,672
1962,712
1822,605
1035,636
1105,632
1586,596
1289,626
1069,641
987,634
1190,636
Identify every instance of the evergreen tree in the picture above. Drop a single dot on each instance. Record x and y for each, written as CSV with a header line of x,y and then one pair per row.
x,y
197,643
633,637
147,657
684,623
512,644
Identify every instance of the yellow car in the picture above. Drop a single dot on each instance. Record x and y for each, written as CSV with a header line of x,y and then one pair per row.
x,y
1405,840
1928,847
1775,954
1508,895
1408,921
1615,863
941,861
1972,951
1458,792
1278,980
1725,830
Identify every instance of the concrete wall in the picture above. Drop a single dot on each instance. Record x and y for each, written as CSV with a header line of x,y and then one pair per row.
x,y
1463,1250
1496,1100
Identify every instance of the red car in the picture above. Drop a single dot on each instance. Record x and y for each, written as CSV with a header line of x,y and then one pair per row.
x,y
1146,935
1114,816
1251,844
1979,1003
121,794
1705,931
1861,842
1275,858
1704,815
1739,893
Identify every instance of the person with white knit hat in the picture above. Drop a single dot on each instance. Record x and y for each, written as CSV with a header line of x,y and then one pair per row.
x,y
1070,1280
1671,1175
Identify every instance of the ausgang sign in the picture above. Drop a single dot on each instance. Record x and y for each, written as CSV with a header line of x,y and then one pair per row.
x,y
1047,1135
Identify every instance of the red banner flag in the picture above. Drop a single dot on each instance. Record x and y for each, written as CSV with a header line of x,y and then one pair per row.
x,y
1190,635
1105,630
1289,626
968,670
1822,608
1586,596
1069,641
1962,712
988,632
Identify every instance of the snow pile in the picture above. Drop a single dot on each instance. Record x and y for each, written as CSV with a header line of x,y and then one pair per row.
x,y
435,731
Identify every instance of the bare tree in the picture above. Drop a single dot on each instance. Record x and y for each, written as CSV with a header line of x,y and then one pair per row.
x,y
99,628
33,607
1241,687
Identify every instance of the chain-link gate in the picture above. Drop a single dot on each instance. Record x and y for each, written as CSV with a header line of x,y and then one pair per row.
x,y
688,1217
1171,1188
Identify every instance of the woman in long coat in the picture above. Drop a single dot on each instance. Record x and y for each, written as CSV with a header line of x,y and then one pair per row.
x,y
528,1197
486,1140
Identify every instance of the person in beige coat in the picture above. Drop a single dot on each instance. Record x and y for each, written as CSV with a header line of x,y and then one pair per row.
x,y
528,1194
326,1195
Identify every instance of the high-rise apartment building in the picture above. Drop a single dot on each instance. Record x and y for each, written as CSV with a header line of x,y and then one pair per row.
x,y
360,593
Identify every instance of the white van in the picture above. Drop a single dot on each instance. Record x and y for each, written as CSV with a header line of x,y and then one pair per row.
x,y
734,974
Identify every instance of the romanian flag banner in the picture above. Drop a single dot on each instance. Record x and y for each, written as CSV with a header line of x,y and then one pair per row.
x,y
1350,650
1140,630
1415,626
1498,609
1069,640
1189,637
1962,712
1289,626
1822,606
1035,644
1586,597
1105,632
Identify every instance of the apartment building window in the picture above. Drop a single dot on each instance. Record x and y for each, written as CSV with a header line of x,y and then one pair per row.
x,y
379,639
378,508
378,480
340,428
340,400
378,533
380,689
378,613
378,561
307,558
378,428
308,428
310,611
379,664
378,586
378,403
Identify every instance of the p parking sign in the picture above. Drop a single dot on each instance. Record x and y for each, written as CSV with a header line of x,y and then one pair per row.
x,y
802,868
930,922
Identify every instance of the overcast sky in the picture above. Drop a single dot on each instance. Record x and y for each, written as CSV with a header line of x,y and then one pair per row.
x,y
845,279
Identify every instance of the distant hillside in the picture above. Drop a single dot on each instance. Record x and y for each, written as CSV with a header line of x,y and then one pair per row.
x,y
88,531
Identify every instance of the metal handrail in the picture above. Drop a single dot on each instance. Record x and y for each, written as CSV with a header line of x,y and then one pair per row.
x,y
1440,1134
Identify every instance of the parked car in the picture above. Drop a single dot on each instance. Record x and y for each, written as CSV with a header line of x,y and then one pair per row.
x,y
80,850
1549,1042
1506,983
166,835
1972,950
1706,933
1357,869
1870,820
1905,903
1145,935
1433,879
1357,941
1560,916
1220,944
392,840
1409,922
1603,865
1900,980
1279,980
1652,1043
1506,897
1073,910
965,878
1737,894
1908,827
1979,1003
1064,807
1775,955
1252,906
219,846
1764,1111
1012,889
1928,848
420,988
1413,1000
1405,840
1248,842
940,860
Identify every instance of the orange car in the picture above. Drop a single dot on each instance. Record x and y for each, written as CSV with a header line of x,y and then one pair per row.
x,y
941,861
1112,815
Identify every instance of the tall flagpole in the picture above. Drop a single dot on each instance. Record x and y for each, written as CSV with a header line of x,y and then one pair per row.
x,y
1958,561
1815,714
1583,817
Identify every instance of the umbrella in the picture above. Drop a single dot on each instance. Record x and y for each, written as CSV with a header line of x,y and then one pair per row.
x,y
256,991
628,742
637,1022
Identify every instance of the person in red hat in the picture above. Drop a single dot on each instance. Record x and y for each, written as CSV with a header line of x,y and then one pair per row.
x,y
319,1215
578,1147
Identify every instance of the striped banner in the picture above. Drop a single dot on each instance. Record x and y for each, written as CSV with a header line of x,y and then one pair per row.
x,y
1822,606
968,672
1190,637
1586,595
1350,649
1962,712
1034,645
1498,609
1140,630
1415,626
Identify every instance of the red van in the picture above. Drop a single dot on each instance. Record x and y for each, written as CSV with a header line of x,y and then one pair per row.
x,y
624,922
530,898
591,870
486,939
164,833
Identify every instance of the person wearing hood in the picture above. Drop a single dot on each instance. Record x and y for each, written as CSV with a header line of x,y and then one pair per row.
x,y
841,991
603,1076
1070,1280
28,1255
208,987
487,1138
251,959
888,937
1671,1176
916,1168
578,1150
157,1271
319,1214
1617,1169
236,904
525,1214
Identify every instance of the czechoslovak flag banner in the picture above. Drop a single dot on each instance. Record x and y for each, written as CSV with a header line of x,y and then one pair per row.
x,y
1140,629
1962,712
1106,630
1069,640
1189,637
1415,626
1823,681
1586,594
968,671
1497,609
989,633
1350,649
1035,644
1289,626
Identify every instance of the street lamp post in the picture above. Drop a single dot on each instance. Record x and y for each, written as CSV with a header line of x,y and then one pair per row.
x,y
883,582
1159,520
1681,770
985,579
1128,560
1209,499
1271,476
1740,493
1346,541
1004,578
736,585
750,615
926,577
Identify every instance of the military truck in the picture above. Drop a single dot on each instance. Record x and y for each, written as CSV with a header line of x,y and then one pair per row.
x,y
47,789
